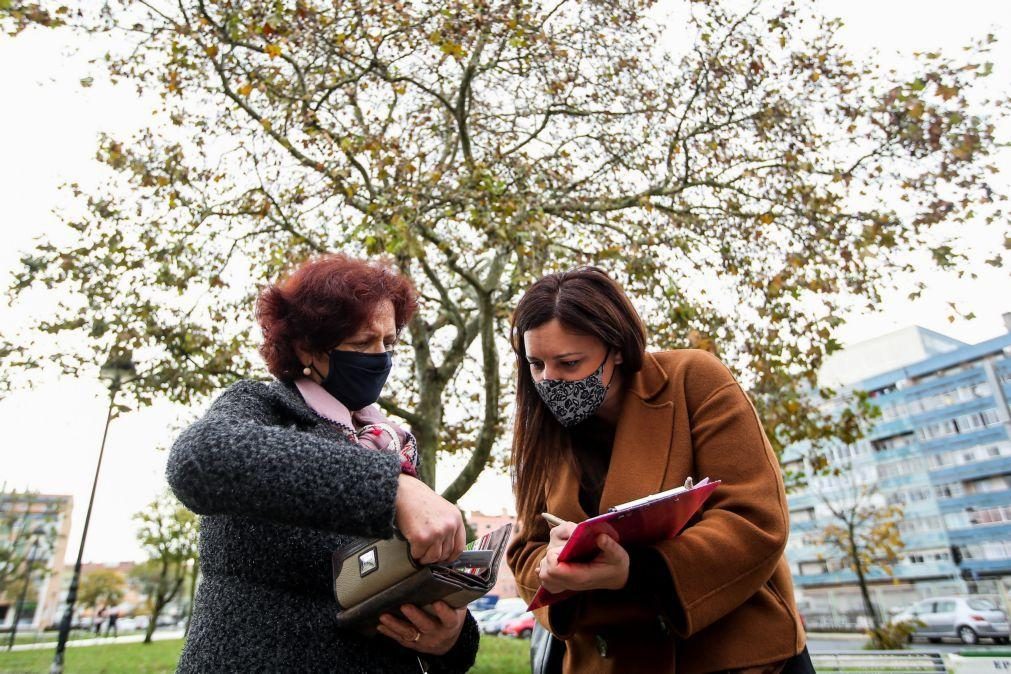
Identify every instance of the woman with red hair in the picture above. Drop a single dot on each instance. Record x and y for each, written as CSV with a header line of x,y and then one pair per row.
x,y
285,472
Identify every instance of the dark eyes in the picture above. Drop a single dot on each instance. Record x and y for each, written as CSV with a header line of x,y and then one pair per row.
x,y
538,365
361,346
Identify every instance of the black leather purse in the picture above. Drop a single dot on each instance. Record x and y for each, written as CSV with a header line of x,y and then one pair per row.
x,y
546,651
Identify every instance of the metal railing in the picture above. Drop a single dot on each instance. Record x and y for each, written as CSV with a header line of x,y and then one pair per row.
x,y
878,662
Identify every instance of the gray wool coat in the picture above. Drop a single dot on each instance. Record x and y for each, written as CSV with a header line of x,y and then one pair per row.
x,y
278,490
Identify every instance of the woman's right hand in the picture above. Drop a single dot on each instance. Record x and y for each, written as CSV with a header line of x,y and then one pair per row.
x,y
431,524
607,571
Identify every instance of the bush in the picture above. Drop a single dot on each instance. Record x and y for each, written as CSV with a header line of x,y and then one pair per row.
x,y
892,636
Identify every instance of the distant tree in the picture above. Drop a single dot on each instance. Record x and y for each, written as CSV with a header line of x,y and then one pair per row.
x,y
25,521
192,580
168,532
101,587
864,531
747,180
17,15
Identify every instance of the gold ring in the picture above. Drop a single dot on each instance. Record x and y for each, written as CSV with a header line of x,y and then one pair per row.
x,y
417,635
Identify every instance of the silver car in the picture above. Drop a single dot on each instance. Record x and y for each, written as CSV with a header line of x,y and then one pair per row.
x,y
965,618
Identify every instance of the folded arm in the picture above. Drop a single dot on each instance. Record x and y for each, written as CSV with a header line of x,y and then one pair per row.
x,y
238,459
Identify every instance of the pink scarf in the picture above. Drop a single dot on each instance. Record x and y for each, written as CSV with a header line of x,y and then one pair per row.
x,y
368,427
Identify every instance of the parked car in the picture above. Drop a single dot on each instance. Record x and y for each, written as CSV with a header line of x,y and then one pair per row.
x,y
965,618
493,624
171,621
485,603
521,626
127,625
481,614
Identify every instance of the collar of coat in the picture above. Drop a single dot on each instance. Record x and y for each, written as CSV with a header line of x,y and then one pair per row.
x,y
649,380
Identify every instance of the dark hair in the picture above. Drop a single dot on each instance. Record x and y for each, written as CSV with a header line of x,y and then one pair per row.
x,y
584,300
323,302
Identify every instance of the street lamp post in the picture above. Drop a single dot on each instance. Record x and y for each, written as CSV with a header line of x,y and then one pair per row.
x,y
117,370
36,535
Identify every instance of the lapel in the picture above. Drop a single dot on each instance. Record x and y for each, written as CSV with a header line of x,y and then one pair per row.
x,y
641,452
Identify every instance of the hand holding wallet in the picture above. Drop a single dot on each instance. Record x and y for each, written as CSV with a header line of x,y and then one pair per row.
x,y
372,577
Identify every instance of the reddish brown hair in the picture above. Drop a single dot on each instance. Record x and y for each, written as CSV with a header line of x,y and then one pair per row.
x,y
323,302
586,301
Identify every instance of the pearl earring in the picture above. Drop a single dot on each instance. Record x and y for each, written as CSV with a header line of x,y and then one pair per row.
x,y
306,371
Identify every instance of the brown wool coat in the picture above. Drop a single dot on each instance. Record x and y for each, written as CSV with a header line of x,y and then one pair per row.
x,y
717,597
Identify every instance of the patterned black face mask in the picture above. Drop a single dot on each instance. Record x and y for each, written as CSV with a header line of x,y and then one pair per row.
x,y
574,401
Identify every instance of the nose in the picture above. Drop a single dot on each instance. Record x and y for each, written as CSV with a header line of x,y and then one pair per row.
x,y
378,346
551,372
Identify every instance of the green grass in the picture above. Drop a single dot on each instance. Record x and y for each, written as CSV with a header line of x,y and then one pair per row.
x,y
159,656
498,655
502,655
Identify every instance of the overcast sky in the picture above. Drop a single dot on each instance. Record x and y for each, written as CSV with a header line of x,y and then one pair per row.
x,y
50,124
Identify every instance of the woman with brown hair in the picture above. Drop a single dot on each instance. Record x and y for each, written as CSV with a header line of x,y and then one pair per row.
x,y
599,422
284,473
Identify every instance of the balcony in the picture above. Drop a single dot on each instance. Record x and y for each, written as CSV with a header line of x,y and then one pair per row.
x,y
980,500
980,533
963,440
926,539
987,567
902,571
972,471
953,410
886,429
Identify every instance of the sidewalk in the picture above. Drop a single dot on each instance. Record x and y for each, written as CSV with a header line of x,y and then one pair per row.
x,y
159,635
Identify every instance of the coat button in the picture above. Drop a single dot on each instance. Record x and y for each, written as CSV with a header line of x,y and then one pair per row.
x,y
601,645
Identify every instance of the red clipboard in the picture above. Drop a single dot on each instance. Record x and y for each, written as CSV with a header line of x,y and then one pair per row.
x,y
640,522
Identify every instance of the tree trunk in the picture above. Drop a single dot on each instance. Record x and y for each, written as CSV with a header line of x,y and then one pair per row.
x,y
155,612
158,603
193,592
862,580
428,431
492,392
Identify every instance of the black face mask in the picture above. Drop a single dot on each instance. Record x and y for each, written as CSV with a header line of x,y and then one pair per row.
x,y
355,378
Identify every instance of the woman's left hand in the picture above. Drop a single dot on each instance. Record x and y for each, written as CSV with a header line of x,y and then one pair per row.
x,y
425,633
607,571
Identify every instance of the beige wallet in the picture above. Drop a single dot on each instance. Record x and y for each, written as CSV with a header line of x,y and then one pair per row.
x,y
372,577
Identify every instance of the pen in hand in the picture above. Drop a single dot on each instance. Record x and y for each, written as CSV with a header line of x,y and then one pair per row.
x,y
552,520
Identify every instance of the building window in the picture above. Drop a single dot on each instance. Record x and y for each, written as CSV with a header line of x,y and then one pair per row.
x,y
802,515
913,525
988,550
938,429
813,568
949,490
995,515
989,485
902,467
928,556
960,457
893,442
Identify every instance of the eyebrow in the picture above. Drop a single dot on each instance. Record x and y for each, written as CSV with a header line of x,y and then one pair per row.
x,y
372,334
559,356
